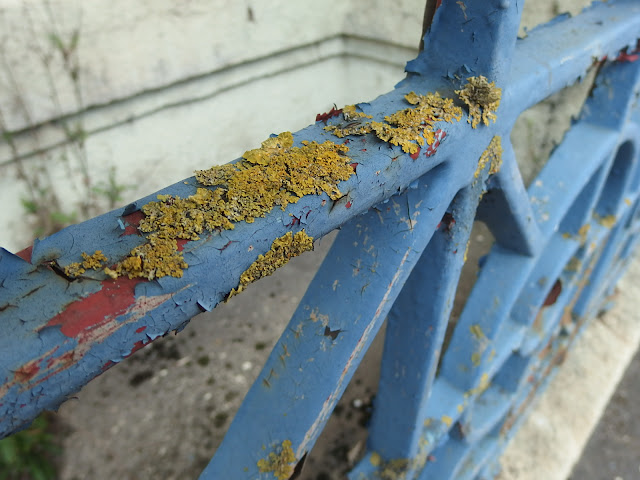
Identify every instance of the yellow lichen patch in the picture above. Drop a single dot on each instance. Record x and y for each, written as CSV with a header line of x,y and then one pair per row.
x,y
408,128
475,358
583,232
492,156
349,113
219,175
477,332
482,386
466,251
608,221
156,259
392,470
186,218
94,262
483,99
447,420
276,174
356,126
352,128
282,250
574,265
414,126
280,464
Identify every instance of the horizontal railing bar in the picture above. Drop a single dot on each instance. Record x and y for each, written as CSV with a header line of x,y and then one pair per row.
x,y
559,53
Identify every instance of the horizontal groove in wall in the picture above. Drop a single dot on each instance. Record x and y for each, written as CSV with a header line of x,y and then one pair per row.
x,y
103,117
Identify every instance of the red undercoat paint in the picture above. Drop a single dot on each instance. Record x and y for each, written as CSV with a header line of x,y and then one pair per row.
x,y
323,117
136,346
113,299
25,254
27,372
132,220
439,137
553,294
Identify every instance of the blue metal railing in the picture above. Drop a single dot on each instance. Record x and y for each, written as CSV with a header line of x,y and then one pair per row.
x,y
405,216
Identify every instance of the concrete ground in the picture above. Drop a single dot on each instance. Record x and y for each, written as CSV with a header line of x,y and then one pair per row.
x,y
613,451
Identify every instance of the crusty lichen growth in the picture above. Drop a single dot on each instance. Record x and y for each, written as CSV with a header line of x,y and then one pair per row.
x,y
608,221
483,384
395,469
476,331
93,262
483,99
583,232
282,250
409,128
350,113
492,156
351,128
157,258
414,126
281,463
276,174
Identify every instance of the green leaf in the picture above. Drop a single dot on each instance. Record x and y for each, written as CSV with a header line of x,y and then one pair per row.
x,y
29,206
75,38
63,218
57,42
8,452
